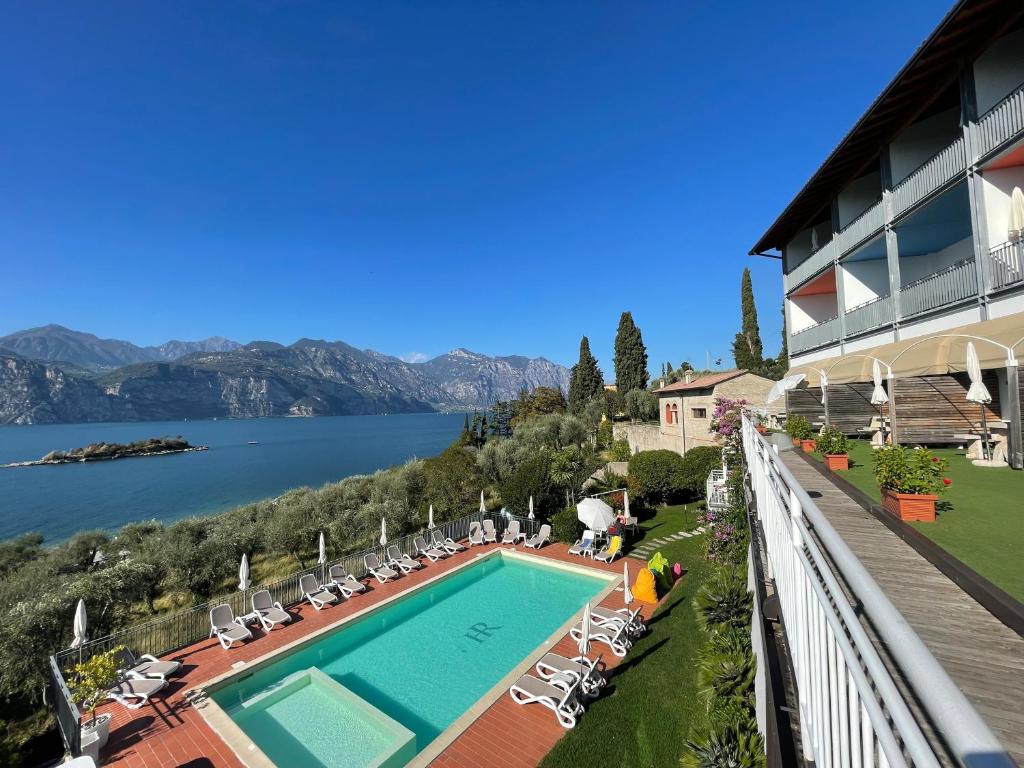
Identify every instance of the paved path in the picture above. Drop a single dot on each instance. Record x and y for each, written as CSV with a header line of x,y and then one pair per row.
x,y
648,547
984,657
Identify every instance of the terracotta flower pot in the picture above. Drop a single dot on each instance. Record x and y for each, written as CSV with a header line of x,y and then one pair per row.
x,y
808,445
796,442
762,429
837,461
911,507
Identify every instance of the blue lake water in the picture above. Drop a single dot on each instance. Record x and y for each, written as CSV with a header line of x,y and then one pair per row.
x,y
57,501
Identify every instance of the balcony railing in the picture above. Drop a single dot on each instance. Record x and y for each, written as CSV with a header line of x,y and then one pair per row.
x,y
860,229
1002,123
869,315
826,332
717,490
813,264
948,286
1006,264
933,174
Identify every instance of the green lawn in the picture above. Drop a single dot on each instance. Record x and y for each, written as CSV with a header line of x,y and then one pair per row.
x,y
650,705
665,520
980,517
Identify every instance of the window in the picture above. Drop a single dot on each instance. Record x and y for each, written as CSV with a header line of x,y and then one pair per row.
x,y
671,413
699,413
668,413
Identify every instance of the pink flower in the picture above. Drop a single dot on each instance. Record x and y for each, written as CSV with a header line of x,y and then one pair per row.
x,y
946,481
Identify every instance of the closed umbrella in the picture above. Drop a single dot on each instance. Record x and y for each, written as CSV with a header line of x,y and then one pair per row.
x,y
625,503
627,593
878,396
323,550
583,646
79,625
430,518
1016,224
483,508
531,507
383,532
595,514
243,573
978,393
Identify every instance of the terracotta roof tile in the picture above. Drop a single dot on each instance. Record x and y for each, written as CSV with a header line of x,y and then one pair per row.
x,y
703,382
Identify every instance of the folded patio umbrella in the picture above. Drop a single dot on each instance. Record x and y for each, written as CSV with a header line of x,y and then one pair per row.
x,y
978,393
627,593
583,646
531,507
79,625
383,532
323,550
430,518
595,514
625,503
243,573
1016,221
483,508
878,396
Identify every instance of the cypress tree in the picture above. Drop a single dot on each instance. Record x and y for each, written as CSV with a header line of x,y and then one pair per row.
x,y
585,381
746,348
630,357
784,352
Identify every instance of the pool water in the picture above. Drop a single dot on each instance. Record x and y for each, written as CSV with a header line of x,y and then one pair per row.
x,y
425,659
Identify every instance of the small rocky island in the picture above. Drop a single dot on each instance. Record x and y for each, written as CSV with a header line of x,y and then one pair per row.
x,y
154,446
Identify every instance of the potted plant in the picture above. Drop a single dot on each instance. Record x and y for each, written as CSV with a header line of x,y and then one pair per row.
x,y
90,682
762,423
835,447
910,481
799,429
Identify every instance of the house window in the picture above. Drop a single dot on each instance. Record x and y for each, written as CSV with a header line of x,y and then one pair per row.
x,y
699,413
668,413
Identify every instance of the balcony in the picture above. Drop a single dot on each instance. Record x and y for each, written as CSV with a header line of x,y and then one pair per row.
x,y
860,229
941,289
820,335
869,315
717,491
813,264
1002,123
935,173
1006,265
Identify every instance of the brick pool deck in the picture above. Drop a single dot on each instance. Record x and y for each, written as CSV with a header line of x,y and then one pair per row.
x,y
171,732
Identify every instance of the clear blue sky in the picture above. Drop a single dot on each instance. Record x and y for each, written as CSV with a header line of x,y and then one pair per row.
x,y
413,177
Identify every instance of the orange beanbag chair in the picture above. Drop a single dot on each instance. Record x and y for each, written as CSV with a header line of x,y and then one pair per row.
x,y
644,588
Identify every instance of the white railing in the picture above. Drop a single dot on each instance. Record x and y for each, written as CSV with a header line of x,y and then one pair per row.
x,y
933,174
1002,123
860,229
1006,264
826,332
851,711
947,286
717,491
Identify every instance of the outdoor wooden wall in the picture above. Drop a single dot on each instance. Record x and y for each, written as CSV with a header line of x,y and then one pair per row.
x,y
929,409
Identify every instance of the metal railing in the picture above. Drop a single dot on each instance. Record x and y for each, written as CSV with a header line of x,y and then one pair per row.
x,y
947,286
851,711
935,172
716,490
810,266
825,332
860,229
1001,124
869,315
64,708
1006,264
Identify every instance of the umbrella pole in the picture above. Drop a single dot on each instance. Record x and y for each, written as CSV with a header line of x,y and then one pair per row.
x,y
984,433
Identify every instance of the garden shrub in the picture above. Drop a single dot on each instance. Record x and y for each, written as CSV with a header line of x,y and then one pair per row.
x,y
724,603
833,442
565,526
798,427
656,477
619,450
697,465
906,470
605,434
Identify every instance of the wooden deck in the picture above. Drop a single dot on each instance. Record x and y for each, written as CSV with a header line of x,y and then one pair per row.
x,y
983,656
171,732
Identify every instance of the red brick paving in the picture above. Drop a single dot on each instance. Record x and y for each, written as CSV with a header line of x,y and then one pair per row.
x,y
170,732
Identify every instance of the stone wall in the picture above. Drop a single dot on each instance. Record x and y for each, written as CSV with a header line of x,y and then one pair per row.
x,y
645,437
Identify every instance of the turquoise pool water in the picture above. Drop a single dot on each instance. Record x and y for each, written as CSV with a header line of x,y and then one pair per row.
x,y
425,659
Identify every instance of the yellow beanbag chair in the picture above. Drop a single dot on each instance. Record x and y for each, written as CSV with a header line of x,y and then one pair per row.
x,y
644,589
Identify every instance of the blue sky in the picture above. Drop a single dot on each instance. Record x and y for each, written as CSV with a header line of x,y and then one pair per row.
x,y
413,177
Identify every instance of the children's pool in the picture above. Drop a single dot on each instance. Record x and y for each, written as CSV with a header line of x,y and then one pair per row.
x,y
421,661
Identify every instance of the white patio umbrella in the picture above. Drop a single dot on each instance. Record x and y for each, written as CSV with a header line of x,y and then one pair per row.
x,y
978,393
80,625
531,507
878,396
595,514
243,573
1016,221
781,387
627,593
483,508
625,503
583,646
383,532
323,550
430,518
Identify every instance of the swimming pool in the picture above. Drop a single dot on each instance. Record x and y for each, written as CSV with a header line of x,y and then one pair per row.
x,y
421,660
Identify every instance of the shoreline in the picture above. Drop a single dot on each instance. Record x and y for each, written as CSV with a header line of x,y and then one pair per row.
x,y
86,459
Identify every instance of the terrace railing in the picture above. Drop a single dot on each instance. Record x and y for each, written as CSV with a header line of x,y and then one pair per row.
x,y
1006,264
716,490
947,286
869,315
851,711
860,229
1001,124
810,266
826,332
65,710
933,174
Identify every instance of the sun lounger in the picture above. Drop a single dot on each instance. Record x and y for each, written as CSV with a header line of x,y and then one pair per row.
x,y
344,581
615,635
564,702
132,692
317,594
585,546
631,619
433,554
541,538
145,665
512,534
448,544
476,533
402,561
226,627
269,613
553,665
610,551
380,572
490,535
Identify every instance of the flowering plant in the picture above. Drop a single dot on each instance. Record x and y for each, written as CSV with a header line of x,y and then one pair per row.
x,y
727,420
904,470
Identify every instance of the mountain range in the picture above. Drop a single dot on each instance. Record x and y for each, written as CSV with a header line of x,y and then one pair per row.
x,y
54,375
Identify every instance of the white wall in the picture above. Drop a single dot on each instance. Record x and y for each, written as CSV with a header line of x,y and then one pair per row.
x,y
999,70
799,248
941,323
995,194
810,357
922,140
864,281
915,267
866,342
1008,305
860,195
805,311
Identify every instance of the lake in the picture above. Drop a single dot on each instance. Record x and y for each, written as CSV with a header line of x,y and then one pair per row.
x,y
59,500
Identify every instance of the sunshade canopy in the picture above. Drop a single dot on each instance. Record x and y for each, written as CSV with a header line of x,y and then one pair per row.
x,y
595,514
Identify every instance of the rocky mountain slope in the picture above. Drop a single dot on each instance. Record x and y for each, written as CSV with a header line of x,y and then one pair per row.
x,y
307,378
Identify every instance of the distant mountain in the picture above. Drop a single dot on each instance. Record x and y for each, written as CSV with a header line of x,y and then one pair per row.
x,y
57,344
310,377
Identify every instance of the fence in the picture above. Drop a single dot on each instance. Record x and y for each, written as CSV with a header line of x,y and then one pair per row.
x,y
65,710
947,286
1005,264
933,174
851,712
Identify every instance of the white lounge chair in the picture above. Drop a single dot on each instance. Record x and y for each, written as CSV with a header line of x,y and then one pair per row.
x,y
512,533
631,619
490,535
270,613
447,543
564,702
344,581
610,551
145,665
476,533
133,692
433,554
542,537
402,561
554,666
584,547
226,627
317,594
615,635
380,572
